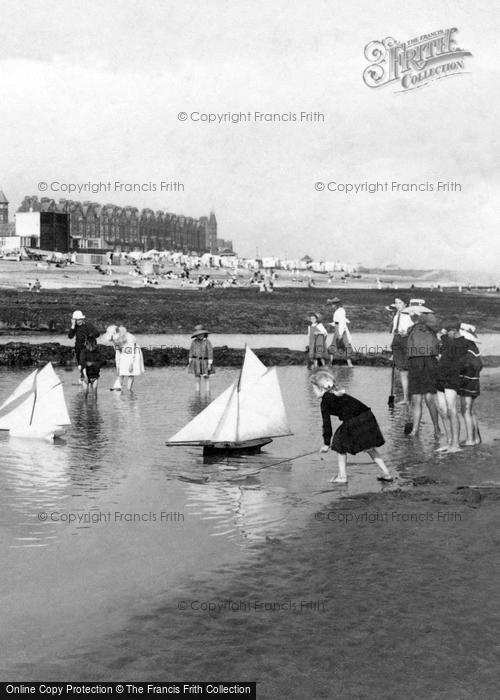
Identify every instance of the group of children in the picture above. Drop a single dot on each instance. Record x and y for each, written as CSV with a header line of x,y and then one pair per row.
x,y
431,363
128,355
321,354
437,364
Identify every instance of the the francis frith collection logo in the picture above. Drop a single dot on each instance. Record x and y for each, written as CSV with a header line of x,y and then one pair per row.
x,y
416,62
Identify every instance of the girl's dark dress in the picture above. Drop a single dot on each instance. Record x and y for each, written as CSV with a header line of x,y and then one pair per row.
x,y
359,430
469,371
91,361
450,362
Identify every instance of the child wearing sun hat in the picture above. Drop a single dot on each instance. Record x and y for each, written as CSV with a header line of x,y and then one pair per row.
x,y
469,388
452,350
201,356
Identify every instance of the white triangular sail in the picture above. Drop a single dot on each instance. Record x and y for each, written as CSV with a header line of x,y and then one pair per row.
x,y
18,407
204,425
251,371
38,402
50,406
250,408
261,410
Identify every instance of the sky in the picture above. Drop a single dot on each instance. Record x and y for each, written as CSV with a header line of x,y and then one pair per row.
x,y
91,93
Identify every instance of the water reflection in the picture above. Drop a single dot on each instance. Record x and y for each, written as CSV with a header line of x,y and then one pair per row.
x,y
114,455
33,482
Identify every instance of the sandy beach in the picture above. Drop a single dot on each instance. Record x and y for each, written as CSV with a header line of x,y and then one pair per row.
x,y
171,308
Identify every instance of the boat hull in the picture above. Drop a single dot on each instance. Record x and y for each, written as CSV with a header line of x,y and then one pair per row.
x,y
234,449
37,433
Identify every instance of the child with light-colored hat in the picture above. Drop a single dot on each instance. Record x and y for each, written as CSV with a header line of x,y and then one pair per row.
x,y
80,330
469,388
467,330
416,307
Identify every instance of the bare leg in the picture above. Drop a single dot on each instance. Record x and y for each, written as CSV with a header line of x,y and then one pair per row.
x,y
341,477
403,375
130,383
430,400
475,421
375,455
416,403
197,383
95,384
443,412
451,402
471,422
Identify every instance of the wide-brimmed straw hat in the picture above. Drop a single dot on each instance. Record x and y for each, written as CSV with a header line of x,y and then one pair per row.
x,y
416,306
199,330
77,316
335,300
417,310
468,331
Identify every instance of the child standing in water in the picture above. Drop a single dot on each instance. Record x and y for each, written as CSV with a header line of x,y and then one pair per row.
x,y
317,335
450,361
359,431
201,357
128,356
469,383
91,362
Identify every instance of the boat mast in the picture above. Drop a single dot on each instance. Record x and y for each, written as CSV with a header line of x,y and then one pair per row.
x,y
34,399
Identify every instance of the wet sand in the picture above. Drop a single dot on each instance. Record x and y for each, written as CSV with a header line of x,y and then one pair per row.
x,y
382,595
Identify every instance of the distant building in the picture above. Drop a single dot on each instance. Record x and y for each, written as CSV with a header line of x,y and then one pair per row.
x,y
44,230
224,246
6,227
210,229
99,227
4,209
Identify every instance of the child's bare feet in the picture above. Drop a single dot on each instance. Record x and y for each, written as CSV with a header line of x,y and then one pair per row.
x,y
444,448
338,480
454,448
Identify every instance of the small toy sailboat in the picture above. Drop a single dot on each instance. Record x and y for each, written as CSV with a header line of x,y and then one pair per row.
x,y
36,408
246,416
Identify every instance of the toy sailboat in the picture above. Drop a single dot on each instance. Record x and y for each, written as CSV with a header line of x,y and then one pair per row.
x,y
246,416
36,408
